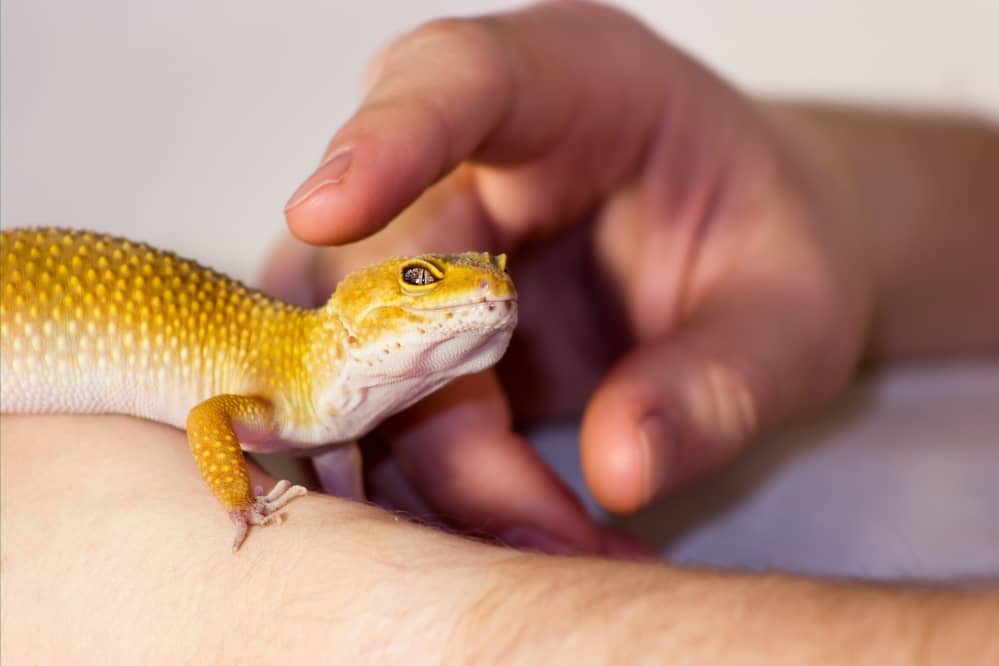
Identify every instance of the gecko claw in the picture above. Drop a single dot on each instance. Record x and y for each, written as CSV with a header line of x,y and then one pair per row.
x,y
264,510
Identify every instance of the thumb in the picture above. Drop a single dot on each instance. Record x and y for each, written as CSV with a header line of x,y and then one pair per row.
x,y
681,405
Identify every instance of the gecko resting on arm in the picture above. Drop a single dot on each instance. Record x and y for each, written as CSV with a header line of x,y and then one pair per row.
x,y
94,324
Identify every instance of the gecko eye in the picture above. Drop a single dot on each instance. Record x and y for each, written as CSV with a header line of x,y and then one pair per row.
x,y
417,275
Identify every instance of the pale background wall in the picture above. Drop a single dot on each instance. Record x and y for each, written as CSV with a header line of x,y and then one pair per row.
x,y
189,123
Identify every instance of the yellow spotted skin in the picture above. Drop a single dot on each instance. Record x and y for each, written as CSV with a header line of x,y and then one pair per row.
x,y
216,448
91,323
133,330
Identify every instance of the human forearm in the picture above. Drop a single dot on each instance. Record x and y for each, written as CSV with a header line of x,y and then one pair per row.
x,y
112,553
109,536
928,191
603,612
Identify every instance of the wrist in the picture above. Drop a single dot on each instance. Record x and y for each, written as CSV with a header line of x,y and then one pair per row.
x,y
923,187
819,184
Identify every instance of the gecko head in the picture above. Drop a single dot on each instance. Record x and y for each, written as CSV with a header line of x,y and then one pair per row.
x,y
427,319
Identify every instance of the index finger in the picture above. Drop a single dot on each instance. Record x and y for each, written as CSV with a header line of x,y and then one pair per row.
x,y
503,90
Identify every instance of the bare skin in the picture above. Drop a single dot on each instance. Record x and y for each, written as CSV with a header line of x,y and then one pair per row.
x,y
90,576
755,251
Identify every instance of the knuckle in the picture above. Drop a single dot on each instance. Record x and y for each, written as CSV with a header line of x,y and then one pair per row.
x,y
469,42
463,33
373,72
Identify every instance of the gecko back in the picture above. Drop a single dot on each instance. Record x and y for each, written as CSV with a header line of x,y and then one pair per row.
x,y
90,323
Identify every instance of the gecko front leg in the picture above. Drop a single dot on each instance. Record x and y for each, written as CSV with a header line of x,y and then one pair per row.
x,y
220,459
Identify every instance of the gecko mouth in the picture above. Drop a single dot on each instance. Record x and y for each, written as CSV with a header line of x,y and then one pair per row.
x,y
485,303
488,314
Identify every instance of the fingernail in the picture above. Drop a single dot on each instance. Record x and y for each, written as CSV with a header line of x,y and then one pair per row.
x,y
330,172
523,537
657,454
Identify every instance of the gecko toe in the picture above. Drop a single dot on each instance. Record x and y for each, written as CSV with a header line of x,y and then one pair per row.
x,y
264,510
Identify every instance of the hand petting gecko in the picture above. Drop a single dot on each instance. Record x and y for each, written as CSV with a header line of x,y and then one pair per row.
x,y
93,324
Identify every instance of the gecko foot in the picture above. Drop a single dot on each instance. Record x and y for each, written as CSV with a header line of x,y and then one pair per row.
x,y
264,510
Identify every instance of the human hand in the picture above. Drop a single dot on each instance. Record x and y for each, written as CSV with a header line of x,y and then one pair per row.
x,y
690,261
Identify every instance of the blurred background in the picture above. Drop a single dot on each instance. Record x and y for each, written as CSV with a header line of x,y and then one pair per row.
x,y
188,124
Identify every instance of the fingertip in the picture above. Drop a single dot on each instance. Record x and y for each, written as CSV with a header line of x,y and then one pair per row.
x,y
324,217
332,206
669,413
376,166
625,454
331,171
631,439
